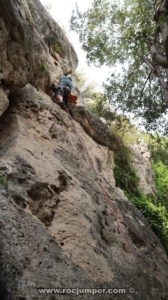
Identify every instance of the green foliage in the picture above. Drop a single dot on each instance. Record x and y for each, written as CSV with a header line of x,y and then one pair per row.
x,y
3,181
125,177
57,48
98,108
41,103
129,95
87,89
117,123
120,34
61,119
159,153
156,215
43,67
158,147
41,106
161,182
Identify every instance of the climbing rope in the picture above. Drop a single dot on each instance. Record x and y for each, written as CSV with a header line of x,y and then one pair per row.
x,y
113,210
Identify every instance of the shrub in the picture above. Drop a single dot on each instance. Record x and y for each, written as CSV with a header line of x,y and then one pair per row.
x,y
161,182
126,177
43,67
157,216
3,182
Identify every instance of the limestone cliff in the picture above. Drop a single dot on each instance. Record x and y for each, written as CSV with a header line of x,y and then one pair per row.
x,y
58,229
141,160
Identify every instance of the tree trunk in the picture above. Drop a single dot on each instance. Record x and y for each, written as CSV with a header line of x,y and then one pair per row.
x,y
163,84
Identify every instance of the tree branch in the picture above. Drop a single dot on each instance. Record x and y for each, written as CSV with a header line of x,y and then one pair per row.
x,y
158,57
156,70
163,84
141,94
149,64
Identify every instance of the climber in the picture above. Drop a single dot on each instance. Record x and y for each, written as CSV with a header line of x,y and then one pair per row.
x,y
63,90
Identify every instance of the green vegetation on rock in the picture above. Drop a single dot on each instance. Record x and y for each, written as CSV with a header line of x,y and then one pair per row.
x,y
161,182
43,67
3,182
156,213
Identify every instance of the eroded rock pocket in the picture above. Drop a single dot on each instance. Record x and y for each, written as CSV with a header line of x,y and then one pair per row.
x,y
43,198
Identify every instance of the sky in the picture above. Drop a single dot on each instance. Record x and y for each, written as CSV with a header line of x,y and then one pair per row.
x,y
61,11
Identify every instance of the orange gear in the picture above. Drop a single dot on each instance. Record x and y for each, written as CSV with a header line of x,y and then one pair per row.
x,y
72,98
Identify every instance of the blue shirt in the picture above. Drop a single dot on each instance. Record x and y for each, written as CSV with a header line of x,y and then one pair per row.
x,y
66,81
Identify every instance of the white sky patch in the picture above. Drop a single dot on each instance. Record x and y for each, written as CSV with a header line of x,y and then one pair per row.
x,y
61,11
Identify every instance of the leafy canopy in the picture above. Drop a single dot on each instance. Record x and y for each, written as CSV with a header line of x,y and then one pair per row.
x,y
129,36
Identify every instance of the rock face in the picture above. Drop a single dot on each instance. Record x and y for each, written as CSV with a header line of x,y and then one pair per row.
x,y
4,102
57,227
141,162
63,222
33,47
96,129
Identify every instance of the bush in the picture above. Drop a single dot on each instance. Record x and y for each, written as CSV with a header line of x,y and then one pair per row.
x,y
43,67
126,178
157,216
161,182
159,149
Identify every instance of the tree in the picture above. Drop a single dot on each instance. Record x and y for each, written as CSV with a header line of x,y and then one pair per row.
x,y
132,35
88,91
